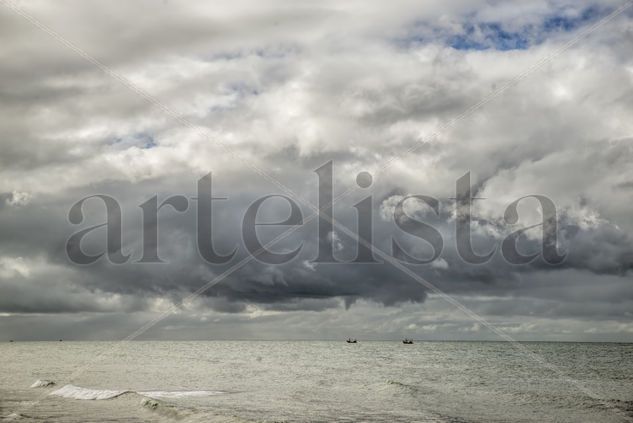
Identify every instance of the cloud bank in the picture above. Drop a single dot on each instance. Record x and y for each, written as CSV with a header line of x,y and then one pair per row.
x,y
288,87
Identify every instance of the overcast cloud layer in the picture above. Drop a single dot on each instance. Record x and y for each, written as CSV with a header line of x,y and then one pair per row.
x,y
288,86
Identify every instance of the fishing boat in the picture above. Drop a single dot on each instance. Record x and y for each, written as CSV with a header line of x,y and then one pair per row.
x,y
407,341
351,341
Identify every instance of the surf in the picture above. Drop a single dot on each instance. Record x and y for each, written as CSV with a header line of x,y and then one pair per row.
x,y
80,393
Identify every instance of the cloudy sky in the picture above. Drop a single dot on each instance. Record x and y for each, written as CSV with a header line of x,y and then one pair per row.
x,y
143,98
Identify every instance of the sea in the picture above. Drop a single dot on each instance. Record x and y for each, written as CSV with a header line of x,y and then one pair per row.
x,y
308,381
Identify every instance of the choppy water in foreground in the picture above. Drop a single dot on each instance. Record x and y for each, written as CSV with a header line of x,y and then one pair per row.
x,y
314,381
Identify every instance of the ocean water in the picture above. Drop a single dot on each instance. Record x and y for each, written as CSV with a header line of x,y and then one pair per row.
x,y
244,381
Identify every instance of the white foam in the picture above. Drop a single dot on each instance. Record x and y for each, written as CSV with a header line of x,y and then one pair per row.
x,y
42,383
77,392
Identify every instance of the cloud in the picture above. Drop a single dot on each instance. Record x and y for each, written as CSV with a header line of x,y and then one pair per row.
x,y
289,88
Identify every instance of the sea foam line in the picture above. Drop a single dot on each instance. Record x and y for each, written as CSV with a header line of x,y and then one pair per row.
x,y
77,392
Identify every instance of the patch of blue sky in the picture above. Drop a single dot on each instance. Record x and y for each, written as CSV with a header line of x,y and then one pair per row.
x,y
140,140
504,36
562,22
490,35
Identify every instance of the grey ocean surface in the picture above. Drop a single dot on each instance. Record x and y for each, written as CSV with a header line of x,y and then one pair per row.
x,y
235,381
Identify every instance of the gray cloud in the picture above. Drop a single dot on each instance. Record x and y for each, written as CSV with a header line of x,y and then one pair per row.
x,y
358,84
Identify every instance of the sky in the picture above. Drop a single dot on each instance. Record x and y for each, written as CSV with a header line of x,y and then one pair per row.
x,y
144,98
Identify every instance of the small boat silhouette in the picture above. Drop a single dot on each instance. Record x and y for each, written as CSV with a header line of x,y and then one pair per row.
x,y
407,341
351,341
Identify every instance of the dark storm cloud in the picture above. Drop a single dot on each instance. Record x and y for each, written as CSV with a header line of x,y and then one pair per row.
x,y
300,284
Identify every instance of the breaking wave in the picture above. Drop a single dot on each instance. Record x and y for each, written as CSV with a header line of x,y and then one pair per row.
x,y
77,392
149,400
42,384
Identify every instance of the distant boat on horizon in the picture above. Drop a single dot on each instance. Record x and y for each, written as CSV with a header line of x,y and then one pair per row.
x,y
407,341
351,341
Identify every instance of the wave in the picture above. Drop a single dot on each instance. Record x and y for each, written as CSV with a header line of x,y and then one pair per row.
x,y
42,383
77,392
149,400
